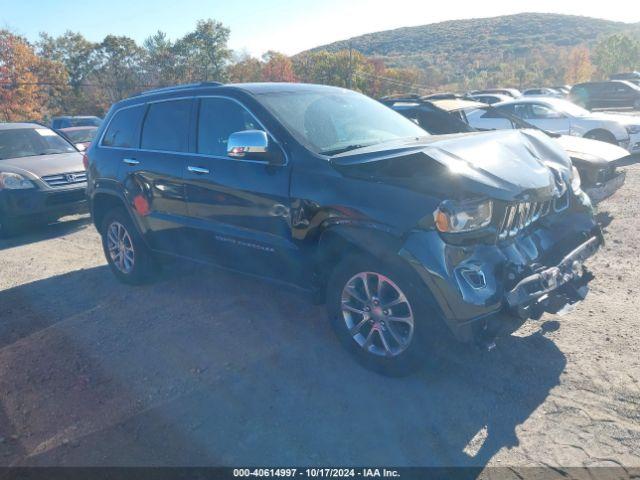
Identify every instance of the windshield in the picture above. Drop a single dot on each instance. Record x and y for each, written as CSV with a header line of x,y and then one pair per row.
x,y
27,142
332,121
80,136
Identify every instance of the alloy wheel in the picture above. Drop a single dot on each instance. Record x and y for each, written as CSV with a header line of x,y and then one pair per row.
x,y
120,247
377,314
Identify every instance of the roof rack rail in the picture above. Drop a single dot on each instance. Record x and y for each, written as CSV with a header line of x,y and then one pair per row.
x,y
174,88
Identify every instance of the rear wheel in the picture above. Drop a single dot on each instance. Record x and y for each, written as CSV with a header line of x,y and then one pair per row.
x,y
377,314
601,135
128,256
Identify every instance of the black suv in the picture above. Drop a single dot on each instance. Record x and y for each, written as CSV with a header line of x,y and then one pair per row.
x,y
407,237
611,94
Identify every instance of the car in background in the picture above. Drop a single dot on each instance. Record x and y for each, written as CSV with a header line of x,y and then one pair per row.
x,y
563,89
489,98
81,137
408,238
542,92
562,116
611,94
597,162
633,77
75,121
509,92
42,177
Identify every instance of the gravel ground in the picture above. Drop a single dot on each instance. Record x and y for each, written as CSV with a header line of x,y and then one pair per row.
x,y
211,368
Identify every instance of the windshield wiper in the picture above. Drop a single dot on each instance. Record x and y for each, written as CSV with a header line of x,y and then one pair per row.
x,y
348,148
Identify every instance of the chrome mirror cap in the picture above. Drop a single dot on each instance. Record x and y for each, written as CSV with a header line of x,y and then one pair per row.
x,y
247,142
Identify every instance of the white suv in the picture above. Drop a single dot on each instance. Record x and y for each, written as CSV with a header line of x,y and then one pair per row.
x,y
561,116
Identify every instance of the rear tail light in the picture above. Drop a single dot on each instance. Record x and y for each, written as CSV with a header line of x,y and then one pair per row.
x,y
85,161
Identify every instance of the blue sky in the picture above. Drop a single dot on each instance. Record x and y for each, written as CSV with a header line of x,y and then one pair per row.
x,y
286,26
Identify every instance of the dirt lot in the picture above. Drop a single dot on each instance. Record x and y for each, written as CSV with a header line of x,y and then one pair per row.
x,y
210,368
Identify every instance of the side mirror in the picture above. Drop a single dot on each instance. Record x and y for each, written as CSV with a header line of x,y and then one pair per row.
x,y
81,146
252,145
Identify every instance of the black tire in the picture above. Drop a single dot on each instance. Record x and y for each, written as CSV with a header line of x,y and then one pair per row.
x,y
601,135
428,328
144,267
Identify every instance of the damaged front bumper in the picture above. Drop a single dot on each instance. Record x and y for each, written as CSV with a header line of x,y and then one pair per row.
x,y
532,295
605,189
487,290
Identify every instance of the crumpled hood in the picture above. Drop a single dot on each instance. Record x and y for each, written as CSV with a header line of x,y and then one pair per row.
x,y
504,164
591,151
44,165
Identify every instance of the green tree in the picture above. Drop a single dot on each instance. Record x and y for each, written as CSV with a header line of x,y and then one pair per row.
x,y
616,53
76,53
160,61
119,71
203,55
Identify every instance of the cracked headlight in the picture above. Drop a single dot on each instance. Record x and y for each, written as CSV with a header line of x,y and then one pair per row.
x,y
14,181
453,217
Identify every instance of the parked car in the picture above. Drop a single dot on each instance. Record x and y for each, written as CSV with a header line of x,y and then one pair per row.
x,y
81,137
633,77
489,98
563,89
597,162
542,92
509,92
42,177
561,116
78,121
612,94
406,237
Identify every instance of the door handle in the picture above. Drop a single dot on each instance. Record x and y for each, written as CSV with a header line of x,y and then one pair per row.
x,y
198,170
131,161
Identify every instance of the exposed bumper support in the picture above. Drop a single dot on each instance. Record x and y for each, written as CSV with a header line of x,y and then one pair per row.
x,y
534,287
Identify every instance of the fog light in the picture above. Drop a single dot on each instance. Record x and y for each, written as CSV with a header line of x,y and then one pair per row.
x,y
474,277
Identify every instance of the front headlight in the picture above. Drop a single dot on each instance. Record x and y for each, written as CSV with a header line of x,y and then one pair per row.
x,y
633,129
575,180
14,181
454,217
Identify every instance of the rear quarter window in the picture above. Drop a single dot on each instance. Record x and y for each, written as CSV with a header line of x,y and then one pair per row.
x,y
124,129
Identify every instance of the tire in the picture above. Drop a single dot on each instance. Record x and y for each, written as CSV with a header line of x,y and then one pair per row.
x,y
601,135
363,337
128,256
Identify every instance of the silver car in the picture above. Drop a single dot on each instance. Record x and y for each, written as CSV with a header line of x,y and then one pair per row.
x,y
42,176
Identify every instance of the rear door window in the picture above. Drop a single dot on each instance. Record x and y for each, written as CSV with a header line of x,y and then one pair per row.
x,y
166,126
124,128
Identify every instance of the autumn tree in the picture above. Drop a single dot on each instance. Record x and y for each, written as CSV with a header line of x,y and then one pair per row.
x,y
277,67
578,66
245,68
30,86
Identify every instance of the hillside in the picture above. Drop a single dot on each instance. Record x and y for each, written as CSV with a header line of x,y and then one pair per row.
x,y
512,33
459,47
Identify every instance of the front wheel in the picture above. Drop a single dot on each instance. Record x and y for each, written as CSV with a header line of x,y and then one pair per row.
x,y
601,135
128,256
380,318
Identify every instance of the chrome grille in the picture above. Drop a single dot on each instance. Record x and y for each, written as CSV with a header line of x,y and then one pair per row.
x,y
520,215
66,179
